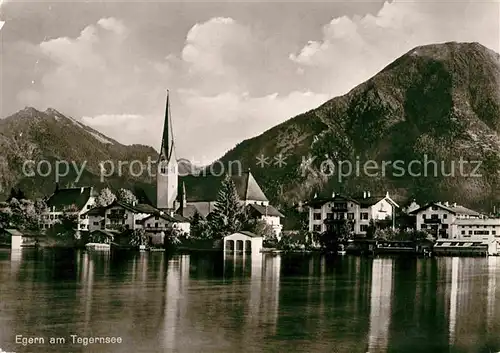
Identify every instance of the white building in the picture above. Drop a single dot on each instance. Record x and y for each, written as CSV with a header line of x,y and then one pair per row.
x,y
74,201
358,210
158,225
243,242
268,214
447,220
119,215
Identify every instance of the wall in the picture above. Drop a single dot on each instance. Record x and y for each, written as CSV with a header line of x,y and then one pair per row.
x,y
256,242
16,242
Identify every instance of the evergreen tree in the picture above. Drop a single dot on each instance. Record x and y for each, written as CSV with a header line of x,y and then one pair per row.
x,y
105,198
200,229
228,215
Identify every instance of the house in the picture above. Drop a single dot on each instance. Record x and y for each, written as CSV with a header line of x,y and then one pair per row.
x,y
119,215
17,239
75,201
360,210
268,214
191,193
440,219
243,242
159,224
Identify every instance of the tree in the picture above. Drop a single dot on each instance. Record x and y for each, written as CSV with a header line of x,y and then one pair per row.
x,y
67,226
105,198
263,229
200,228
125,195
228,215
138,237
172,237
338,232
371,229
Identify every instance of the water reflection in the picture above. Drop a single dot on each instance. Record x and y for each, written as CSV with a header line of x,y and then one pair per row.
x,y
250,302
380,305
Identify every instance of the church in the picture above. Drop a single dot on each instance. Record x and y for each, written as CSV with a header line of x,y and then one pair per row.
x,y
192,194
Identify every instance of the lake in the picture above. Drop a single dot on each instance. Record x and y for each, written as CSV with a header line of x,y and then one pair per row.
x,y
151,302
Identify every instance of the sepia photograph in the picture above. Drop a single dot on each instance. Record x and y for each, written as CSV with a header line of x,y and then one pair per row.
x,y
249,176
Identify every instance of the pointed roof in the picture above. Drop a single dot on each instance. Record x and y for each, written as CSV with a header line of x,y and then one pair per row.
x,y
167,141
206,187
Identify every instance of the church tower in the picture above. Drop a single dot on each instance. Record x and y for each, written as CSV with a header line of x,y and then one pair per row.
x,y
167,173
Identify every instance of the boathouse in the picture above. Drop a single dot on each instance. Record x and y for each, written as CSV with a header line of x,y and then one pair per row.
x,y
466,247
243,242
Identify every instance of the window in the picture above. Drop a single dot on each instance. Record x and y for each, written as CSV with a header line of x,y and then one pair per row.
x,y
481,232
317,228
434,208
494,232
470,232
364,215
317,216
463,232
96,223
350,216
156,225
363,227
434,216
137,221
445,216
423,226
444,226
424,216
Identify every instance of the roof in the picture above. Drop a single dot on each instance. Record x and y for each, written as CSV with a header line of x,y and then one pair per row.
x,y
247,233
335,198
206,187
460,244
167,151
457,209
174,219
265,210
137,208
189,211
110,233
14,232
61,199
96,211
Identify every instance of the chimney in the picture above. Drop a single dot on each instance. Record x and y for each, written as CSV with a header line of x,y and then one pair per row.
x,y
454,204
134,203
446,203
171,213
315,195
161,213
367,194
81,190
333,195
364,194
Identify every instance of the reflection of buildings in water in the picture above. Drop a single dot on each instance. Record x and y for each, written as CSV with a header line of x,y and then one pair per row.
x,y
380,304
453,299
177,281
15,261
87,280
493,266
271,290
255,289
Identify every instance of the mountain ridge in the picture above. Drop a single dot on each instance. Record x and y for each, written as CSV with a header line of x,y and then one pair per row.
x,y
438,100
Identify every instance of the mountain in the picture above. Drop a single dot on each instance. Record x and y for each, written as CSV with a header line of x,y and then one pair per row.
x,y
440,102
51,136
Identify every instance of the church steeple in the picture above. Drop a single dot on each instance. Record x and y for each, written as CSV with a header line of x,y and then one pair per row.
x,y
167,173
167,141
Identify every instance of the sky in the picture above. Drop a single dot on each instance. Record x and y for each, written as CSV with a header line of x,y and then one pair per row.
x,y
233,69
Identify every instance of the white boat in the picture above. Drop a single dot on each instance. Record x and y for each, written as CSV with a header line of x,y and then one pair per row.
x,y
97,246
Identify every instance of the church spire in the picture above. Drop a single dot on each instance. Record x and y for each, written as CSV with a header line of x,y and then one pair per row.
x,y
167,141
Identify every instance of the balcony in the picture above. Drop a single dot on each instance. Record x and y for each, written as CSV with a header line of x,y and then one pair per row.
x,y
432,221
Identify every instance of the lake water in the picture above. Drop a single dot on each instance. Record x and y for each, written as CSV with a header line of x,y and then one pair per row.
x,y
256,303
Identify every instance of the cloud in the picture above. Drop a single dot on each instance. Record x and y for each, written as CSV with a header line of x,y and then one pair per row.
x,y
229,79
353,49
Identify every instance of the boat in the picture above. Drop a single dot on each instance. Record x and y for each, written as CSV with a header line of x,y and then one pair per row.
x,y
97,247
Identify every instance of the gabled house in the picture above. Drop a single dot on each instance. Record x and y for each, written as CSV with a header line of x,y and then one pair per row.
x,y
119,215
448,220
158,225
359,210
268,214
76,201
